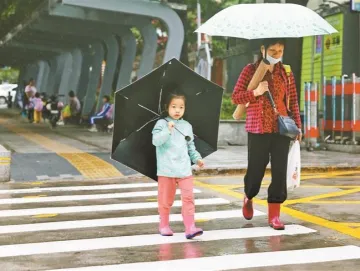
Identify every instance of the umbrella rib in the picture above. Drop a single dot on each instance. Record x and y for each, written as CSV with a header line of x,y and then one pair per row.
x,y
161,91
148,110
146,124
159,106
154,119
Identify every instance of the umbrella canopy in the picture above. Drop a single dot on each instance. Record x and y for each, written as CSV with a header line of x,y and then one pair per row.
x,y
139,105
259,21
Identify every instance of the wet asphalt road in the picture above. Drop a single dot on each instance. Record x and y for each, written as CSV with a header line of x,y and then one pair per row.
x,y
112,225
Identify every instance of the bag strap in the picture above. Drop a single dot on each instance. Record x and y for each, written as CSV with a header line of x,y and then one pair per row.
x,y
288,73
272,102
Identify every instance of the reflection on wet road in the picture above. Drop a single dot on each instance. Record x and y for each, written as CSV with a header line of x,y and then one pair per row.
x,y
112,225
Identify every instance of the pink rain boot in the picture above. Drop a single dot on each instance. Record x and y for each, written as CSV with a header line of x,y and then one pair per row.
x,y
190,230
164,228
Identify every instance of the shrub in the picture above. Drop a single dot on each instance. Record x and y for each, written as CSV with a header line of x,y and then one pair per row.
x,y
227,108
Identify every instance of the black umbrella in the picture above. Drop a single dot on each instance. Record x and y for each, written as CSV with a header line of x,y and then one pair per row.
x,y
139,105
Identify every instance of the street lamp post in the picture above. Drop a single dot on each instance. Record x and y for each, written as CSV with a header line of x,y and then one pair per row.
x,y
204,63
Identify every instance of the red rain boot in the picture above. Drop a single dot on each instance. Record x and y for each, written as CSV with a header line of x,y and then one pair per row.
x,y
190,230
274,216
248,211
164,228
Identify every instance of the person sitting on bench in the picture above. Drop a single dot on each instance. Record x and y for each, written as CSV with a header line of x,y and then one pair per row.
x,y
104,114
71,112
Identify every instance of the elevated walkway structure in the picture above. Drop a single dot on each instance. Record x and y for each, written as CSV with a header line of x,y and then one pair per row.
x,y
64,44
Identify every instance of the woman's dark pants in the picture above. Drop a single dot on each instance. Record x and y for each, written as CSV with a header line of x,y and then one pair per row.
x,y
263,148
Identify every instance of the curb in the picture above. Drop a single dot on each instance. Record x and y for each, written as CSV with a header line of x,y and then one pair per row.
x,y
205,173
238,171
134,176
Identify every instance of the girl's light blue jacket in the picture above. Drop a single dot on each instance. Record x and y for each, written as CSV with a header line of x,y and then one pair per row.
x,y
173,153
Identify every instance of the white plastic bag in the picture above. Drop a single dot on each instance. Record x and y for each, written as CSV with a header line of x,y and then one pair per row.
x,y
294,166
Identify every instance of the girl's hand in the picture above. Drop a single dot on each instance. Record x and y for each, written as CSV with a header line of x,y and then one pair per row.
x,y
171,125
200,163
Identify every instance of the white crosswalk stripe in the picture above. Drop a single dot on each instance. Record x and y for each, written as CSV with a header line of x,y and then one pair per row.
x,y
106,222
102,228
78,188
140,240
84,197
230,262
102,208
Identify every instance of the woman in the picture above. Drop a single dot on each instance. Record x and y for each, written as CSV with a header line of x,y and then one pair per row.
x,y
264,142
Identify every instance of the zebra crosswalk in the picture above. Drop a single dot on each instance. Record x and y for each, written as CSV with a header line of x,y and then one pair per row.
x,y
114,227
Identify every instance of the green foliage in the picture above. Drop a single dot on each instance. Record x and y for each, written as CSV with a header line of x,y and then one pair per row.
x,y
13,12
208,9
9,75
139,40
227,108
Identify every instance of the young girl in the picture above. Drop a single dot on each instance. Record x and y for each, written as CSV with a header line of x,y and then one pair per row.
x,y
174,155
38,107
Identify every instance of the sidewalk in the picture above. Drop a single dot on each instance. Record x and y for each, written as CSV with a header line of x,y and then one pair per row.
x,y
233,159
227,160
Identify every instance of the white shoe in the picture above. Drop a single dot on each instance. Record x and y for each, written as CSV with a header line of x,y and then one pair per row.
x,y
61,123
93,129
111,126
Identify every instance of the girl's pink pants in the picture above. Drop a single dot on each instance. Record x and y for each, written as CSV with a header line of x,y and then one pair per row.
x,y
166,194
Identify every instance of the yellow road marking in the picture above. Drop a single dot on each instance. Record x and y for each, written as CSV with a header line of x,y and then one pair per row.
x,y
201,220
329,186
265,185
36,183
226,191
322,196
351,224
304,176
215,177
336,201
45,215
230,186
151,199
331,174
90,166
35,196
321,222
5,163
5,158
294,213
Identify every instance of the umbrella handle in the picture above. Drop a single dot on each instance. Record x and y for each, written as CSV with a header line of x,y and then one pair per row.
x,y
187,138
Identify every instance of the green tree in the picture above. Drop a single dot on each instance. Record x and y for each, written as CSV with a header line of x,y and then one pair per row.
x,y
9,75
208,9
14,12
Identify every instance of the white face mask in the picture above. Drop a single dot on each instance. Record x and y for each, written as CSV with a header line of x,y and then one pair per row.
x,y
272,60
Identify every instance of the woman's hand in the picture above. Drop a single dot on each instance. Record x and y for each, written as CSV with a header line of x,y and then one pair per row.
x,y
200,163
299,137
261,89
